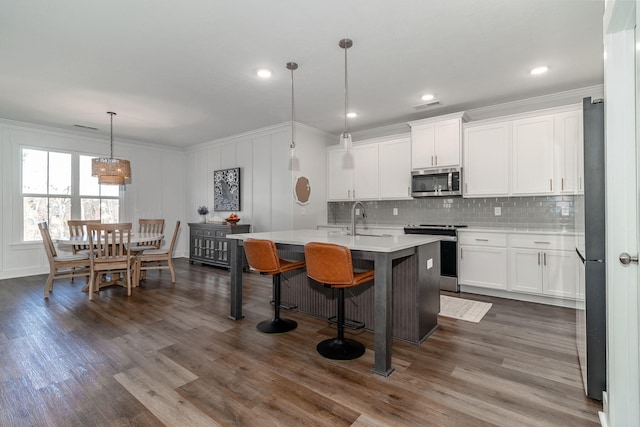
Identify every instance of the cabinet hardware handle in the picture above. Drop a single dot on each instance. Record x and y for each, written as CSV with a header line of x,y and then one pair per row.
x,y
436,159
580,185
461,254
550,184
562,184
482,240
545,258
538,258
545,243
431,160
354,194
466,190
408,191
348,194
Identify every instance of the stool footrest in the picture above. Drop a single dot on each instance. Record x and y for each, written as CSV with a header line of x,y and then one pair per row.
x,y
348,323
285,305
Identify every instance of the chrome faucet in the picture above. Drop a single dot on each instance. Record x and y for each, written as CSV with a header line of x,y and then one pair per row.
x,y
353,216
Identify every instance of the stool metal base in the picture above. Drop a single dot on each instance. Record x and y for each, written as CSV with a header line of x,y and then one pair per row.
x,y
337,349
277,326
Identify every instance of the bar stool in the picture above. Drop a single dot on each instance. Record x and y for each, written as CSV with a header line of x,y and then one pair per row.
x,y
332,265
262,255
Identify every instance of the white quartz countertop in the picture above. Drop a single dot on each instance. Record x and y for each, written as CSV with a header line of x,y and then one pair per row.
x,y
363,242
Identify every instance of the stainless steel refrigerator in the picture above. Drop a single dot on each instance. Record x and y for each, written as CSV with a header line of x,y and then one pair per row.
x,y
590,253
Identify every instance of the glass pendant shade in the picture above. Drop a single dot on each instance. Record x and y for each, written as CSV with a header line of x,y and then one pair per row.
x,y
109,170
345,140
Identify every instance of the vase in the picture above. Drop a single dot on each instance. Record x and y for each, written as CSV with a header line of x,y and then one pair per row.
x,y
203,219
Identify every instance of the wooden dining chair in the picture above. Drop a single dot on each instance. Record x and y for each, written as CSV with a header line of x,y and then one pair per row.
x,y
78,228
62,266
109,252
157,259
149,226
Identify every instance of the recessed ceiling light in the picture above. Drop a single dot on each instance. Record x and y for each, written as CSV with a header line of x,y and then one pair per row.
x,y
427,97
352,115
264,73
539,70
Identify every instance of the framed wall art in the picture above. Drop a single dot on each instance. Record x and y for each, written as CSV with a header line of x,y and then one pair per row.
x,y
226,190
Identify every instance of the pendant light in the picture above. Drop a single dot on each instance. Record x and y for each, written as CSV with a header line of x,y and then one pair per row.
x,y
292,66
345,138
109,170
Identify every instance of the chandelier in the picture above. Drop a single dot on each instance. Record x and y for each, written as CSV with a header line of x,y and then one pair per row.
x,y
292,147
109,170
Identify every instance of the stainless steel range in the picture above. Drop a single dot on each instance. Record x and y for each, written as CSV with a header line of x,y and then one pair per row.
x,y
448,251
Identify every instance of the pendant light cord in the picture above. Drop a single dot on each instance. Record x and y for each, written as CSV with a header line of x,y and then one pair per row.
x,y
111,138
346,91
293,114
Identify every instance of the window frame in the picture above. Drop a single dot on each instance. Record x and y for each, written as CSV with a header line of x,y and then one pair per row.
x,y
75,196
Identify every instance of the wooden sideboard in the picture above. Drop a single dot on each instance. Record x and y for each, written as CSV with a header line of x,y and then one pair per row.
x,y
208,243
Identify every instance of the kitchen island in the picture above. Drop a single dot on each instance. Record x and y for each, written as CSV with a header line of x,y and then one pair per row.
x,y
409,262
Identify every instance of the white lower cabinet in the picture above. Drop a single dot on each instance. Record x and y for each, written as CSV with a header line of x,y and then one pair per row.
x,y
540,265
483,259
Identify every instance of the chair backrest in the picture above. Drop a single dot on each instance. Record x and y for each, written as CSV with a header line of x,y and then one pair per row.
x,y
108,241
262,255
48,243
154,226
173,239
329,263
78,227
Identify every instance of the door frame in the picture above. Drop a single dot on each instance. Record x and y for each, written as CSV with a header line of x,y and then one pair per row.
x,y
621,402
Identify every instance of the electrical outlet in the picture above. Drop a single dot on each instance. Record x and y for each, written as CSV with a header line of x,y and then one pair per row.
x,y
395,211
357,211
497,211
565,211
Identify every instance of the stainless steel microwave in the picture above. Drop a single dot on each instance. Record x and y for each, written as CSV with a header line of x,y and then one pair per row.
x,y
436,182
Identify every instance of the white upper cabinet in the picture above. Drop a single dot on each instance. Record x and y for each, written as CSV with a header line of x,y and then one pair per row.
x,y
435,142
365,177
395,169
537,153
371,170
353,174
532,148
568,152
485,170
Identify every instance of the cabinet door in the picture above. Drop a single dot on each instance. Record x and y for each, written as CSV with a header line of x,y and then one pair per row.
x,y
559,274
486,160
532,144
423,146
568,139
483,266
340,164
526,270
447,143
365,176
395,169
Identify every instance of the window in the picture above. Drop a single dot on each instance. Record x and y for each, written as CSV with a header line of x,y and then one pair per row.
x,y
49,192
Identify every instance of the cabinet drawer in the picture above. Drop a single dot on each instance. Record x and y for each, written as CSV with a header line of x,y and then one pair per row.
x,y
541,241
482,239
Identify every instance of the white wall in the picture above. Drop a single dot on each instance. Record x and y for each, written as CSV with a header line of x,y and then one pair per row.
x,y
266,176
156,188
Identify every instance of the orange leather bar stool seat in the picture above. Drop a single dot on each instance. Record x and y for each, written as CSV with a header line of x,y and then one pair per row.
x,y
332,265
262,256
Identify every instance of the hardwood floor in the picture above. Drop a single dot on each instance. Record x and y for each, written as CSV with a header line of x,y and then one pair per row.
x,y
168,355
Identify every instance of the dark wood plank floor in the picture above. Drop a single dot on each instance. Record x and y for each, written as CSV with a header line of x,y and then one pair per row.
x,y
168,355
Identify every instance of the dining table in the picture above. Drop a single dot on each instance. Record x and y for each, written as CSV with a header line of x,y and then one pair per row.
x,y
68,241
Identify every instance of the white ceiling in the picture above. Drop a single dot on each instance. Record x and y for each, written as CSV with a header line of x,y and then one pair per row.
x,y
182,73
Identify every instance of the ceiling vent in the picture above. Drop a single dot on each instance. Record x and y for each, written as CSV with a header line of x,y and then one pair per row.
x,y
431,103
85,127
